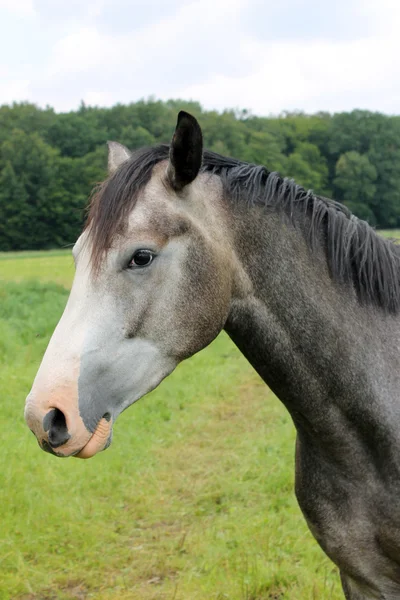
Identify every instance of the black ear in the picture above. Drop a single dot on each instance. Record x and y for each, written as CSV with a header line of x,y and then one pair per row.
x,y
186,151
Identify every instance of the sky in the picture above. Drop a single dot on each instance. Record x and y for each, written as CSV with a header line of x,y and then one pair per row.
x,y
261,55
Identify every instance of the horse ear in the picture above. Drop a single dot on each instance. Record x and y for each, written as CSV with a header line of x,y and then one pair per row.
x,y
186,151
117,154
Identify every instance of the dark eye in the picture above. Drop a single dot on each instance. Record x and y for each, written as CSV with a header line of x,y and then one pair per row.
x,y
141,258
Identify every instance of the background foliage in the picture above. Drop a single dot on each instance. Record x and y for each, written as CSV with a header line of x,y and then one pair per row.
x,y
50,162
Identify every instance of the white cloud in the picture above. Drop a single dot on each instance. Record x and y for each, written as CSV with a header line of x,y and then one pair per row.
x,y
22,8
201,51
98,98
314,75
82,50
95,8
86,48
17,89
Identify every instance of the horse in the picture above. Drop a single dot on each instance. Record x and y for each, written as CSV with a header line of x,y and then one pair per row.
x,y
181,243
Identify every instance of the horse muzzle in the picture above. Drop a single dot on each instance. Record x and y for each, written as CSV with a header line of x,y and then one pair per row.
x,y
60,430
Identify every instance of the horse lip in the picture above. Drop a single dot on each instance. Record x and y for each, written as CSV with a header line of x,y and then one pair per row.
x,y
99,440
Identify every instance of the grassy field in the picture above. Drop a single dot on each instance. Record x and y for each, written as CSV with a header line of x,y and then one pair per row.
x,y
393,234
193,501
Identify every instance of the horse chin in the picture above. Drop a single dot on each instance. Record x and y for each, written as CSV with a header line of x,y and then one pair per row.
x,y
100,440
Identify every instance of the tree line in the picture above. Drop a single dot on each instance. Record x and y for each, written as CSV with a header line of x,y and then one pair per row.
x,y
49,162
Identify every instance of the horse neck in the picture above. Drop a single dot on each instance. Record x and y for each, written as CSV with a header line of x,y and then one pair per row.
x,y
306,335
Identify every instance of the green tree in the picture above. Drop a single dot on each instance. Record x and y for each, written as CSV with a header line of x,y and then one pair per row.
x,y
263,148
14,209
308,167
50,162
31,173
136,137
384,154
224,129
26,117
355,182
76,134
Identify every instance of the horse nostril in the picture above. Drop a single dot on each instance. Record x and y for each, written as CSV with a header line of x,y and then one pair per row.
x,y
54,422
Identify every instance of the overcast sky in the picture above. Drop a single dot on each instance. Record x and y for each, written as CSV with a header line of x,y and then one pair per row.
x,y
263,55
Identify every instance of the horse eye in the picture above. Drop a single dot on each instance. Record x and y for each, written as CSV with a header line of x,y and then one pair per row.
x,y
141,258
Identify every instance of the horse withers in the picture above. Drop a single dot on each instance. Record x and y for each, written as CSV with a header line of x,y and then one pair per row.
x,y
180,244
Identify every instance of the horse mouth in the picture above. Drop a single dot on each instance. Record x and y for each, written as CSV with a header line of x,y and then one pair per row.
x,y
100,439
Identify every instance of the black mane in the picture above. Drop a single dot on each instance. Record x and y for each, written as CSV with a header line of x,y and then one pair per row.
x,y
355,252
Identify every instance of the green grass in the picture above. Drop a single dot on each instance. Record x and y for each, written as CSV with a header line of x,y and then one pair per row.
x,y
56,266
393,234
35,253
193,501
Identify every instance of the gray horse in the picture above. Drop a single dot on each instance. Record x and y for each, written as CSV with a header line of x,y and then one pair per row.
x,y
181,244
